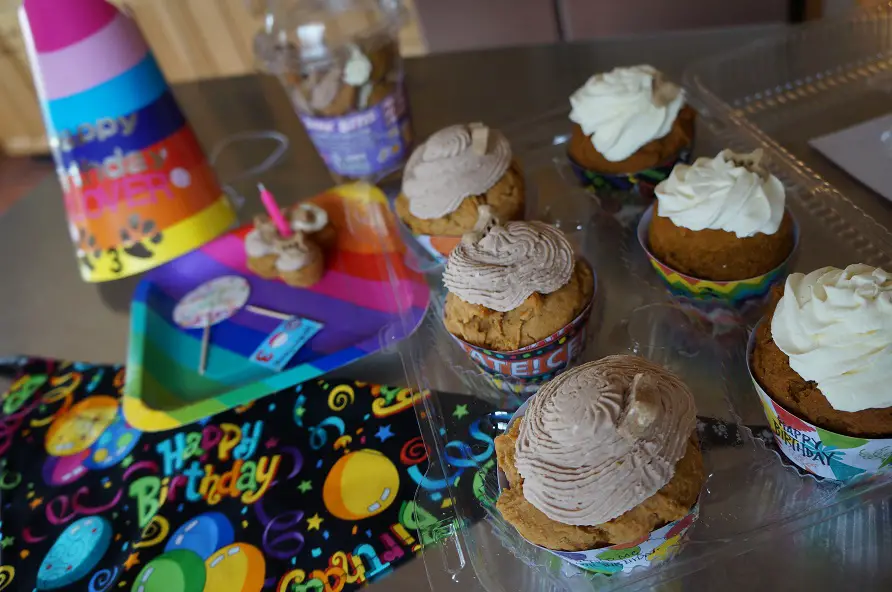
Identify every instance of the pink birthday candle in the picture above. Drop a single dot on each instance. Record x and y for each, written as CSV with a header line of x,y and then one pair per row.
x,y
269,202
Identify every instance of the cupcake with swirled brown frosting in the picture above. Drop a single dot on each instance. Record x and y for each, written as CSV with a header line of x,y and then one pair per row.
x,y
455,171
513,284
605,454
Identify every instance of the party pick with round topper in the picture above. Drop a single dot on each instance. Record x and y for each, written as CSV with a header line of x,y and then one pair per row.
x,y
212,302
209,304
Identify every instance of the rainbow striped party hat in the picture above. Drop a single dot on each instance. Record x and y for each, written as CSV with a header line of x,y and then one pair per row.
x,y
138,190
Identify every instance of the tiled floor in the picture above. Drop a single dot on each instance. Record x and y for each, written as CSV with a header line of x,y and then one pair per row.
x,y
18,176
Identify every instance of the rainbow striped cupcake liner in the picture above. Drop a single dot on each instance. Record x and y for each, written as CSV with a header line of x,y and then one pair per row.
x,y
524,370
717,302
641,183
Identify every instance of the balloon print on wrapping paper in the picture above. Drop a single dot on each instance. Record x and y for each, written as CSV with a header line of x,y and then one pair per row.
x,y
75,553
175,571
201,555
91,436
203,535
361,484
81,426
239,568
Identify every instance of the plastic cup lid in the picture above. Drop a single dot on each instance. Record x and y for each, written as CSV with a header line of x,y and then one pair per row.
x,y
301,34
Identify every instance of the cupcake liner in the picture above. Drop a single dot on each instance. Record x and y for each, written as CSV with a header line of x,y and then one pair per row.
x,y
523,371
642,182
717,302
819,451
661,544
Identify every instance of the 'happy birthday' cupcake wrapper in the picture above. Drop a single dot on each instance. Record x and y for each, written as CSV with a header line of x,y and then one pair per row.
x,y
819,451
641,182
524,370
717,302
661,544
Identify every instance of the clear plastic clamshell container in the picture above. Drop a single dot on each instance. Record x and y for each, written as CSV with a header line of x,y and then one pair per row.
x,y
752,494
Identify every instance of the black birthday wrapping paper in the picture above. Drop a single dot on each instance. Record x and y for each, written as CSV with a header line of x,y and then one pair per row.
x,y
313,488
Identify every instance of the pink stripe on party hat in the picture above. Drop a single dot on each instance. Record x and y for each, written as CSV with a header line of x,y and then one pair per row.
x,y
56,24
111,51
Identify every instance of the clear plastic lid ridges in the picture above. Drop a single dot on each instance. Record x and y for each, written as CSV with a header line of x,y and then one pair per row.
x,y
752,495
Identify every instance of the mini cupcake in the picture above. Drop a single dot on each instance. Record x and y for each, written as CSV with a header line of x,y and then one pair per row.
x,y
631,125
515,287
604,455
297,260
821,360
449,176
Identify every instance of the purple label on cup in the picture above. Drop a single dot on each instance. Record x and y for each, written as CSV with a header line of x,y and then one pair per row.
x,y
363,143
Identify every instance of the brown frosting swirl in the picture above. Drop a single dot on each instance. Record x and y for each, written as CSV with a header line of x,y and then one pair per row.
x,y
454,163
603,437
501,266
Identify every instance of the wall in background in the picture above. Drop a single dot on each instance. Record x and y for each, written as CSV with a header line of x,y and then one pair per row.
x,y
585,19
196,39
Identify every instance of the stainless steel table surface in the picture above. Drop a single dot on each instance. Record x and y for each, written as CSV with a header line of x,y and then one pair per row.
x,y
45,309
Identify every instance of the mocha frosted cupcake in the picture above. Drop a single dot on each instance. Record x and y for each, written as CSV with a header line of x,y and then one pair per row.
x,y
629,123
519,300
605,455
722,219
515,284
455,171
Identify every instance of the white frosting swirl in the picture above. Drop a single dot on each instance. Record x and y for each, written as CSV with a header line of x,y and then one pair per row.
x,y
447,168
603,437
836,327
731,192
502,266
624,109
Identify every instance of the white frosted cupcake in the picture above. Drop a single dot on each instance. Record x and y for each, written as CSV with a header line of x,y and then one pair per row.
x,y
630,126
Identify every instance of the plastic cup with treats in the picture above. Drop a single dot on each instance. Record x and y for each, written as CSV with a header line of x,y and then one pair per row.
x,y
719,235
340,64
518,301
602,466
630,127
449,176
821,363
